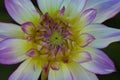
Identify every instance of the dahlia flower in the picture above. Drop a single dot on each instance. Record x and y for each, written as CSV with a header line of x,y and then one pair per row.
x,y
62,40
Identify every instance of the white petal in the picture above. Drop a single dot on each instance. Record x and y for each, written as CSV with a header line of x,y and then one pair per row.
x,y
100,63
79,73
50,6
22,11
8,30
28,70
103,35
13,51
73,7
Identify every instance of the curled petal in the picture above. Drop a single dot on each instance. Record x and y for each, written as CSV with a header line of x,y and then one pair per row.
x,y
62,11
28,70
88,15
103,35
86,39
13,51
28,28
100,62
8,30
107,7
79,73
81,57
55,65
22,11
31,53
62,74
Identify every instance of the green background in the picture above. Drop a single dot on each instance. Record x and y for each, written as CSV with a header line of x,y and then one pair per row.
x,y
113,50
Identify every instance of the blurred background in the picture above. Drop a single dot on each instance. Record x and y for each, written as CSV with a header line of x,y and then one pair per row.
x,y
113,50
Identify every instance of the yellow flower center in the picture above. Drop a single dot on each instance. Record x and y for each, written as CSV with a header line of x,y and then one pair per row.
x,y
52,36
56,38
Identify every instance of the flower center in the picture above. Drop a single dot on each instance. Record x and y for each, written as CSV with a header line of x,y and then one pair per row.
x,y
56,38
51,38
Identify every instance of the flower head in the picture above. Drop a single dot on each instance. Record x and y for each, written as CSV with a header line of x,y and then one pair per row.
x,y
61,41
